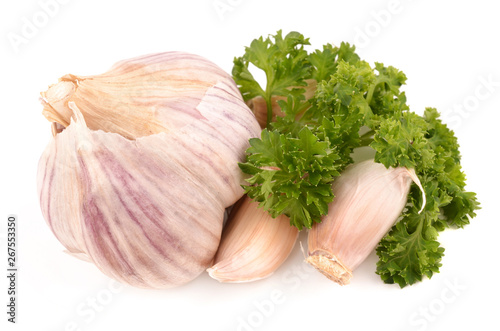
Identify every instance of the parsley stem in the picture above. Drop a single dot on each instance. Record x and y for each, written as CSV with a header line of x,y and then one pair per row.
x,y
269,111
370,92
367,138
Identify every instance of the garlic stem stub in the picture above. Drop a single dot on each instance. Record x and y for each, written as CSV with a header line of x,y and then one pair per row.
x,y
142,164
253,244
369,198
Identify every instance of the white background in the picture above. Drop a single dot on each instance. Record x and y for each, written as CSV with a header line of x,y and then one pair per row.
x,y
449,51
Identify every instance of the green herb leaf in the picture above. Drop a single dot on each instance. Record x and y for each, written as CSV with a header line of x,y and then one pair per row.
x,y
406,256
325,62
291,175
427,145
284,62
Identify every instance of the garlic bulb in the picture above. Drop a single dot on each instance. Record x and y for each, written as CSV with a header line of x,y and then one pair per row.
x,y
253,244
369,199
142,164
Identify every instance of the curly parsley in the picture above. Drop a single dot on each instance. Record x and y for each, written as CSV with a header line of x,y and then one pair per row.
x,y
299,154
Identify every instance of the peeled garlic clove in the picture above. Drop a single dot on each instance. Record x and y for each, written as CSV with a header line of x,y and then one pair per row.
x,y
369,199
142,193
253,244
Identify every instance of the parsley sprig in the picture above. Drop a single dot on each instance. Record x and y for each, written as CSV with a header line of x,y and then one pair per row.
x,y
299,154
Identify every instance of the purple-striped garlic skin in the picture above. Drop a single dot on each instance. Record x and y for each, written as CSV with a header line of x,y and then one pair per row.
x,y
142,164
369,199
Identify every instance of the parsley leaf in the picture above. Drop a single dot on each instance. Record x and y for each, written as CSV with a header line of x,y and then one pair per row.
x,y
324,62
424,143
284,62
291,175
406,256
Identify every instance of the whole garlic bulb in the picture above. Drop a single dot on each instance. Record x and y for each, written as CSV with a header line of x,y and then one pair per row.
x,y
142,164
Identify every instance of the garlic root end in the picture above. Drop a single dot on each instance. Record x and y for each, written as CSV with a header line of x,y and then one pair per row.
x,y
331,268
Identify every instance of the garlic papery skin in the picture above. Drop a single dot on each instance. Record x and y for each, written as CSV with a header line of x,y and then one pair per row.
x,y
369,198
141,191
253,244
143,95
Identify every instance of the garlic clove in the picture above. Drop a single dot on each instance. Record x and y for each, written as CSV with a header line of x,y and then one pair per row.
x,y
59,179
369,199
253,244
129,215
